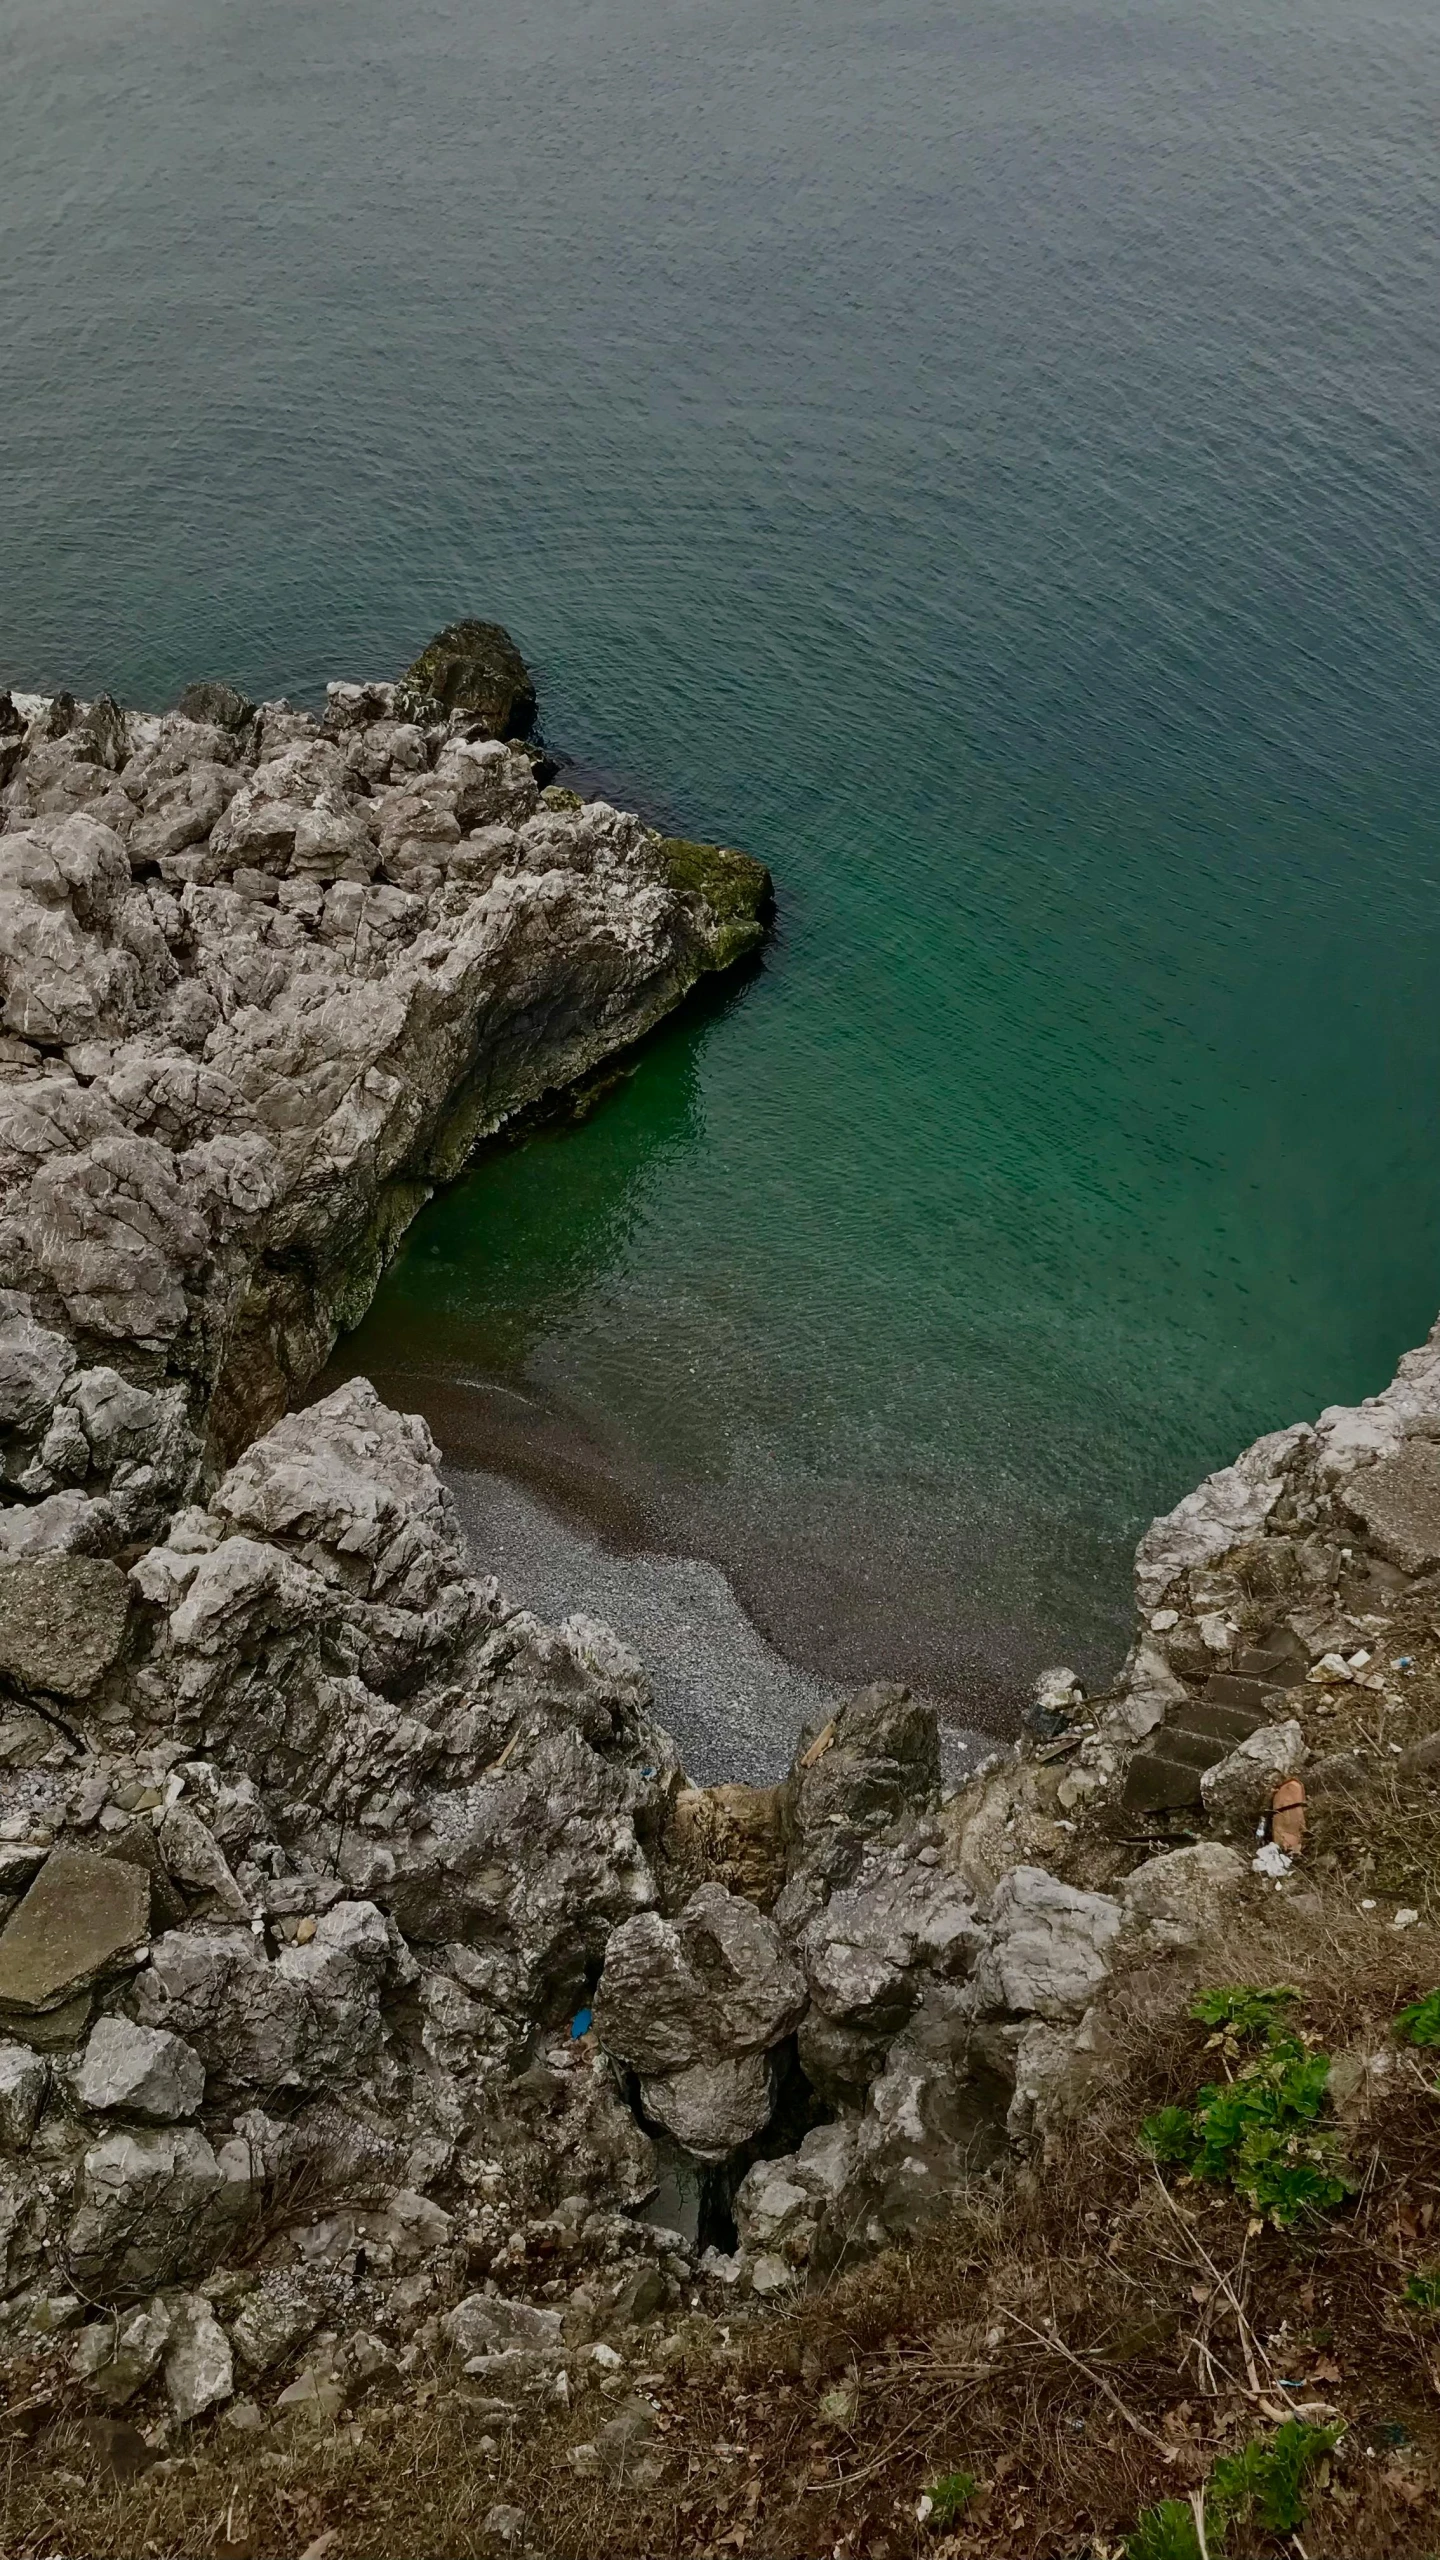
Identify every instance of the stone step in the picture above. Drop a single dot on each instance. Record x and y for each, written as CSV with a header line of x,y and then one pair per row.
x,y
1154,1783
1226,1689
1178,1741
1222,1725
1276,1669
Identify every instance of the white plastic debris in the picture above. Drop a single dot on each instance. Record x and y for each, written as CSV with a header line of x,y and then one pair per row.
x,y
1404,1919
1271,1861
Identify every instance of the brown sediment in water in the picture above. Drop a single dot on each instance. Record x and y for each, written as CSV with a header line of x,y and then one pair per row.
x,y
841,1596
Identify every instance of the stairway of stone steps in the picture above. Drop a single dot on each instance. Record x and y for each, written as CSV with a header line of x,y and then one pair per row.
x,y
1164,1776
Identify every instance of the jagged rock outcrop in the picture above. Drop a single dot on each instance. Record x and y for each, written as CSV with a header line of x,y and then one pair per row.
x,y
264,980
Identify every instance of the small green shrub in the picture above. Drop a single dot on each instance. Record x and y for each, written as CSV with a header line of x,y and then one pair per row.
x,y
1256,2132
1261,2485
1420,2023
949,2497
1166,2532
1239,2012
1422,2291
1258,2489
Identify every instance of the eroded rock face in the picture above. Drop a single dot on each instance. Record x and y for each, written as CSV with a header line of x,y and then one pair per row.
x,y
695,2006
263,980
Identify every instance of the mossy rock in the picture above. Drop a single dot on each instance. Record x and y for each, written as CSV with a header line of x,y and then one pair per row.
x,y
222,704
472,667
735,887
556,796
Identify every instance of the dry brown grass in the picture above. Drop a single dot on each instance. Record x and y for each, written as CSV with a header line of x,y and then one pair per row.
x,y
1083,2338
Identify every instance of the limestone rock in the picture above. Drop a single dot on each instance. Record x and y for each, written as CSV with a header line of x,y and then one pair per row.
x,y
116,2357
1175,1899
486,2325
780,2204
62,1619
877,1760
693,2005
712,2107
1050,1944
1236,1792
155,2208
1397,1500
24,2083
307,2019
83,1918
867,1954
199,2368
139,2071
274,2320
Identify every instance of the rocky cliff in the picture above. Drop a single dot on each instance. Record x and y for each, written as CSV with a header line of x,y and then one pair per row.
x,y
372,1985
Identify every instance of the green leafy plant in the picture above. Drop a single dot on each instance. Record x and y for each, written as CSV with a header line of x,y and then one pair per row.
x,y
1259,2489
1166,2532
1239,2012
1422,2291
1420,2023
949,2497
1258,2131
1261,2485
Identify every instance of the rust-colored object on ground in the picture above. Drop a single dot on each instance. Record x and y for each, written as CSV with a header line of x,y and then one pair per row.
x,y
1287,1816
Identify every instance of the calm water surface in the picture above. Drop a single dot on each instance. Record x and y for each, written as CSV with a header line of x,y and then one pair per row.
x,y
981,456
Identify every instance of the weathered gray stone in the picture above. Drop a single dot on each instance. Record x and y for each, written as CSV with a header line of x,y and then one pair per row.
x,y
83,1918
116,2357
199,2368
693,2005
1050,1943
155,2208
716,1980
1236,1792
1397,1500
780,2204
1176,1899
24,2082
473,667
139,2071
62,1622
276,2319
712,2107
486,2324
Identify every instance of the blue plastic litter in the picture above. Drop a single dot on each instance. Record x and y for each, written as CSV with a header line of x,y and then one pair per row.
x,y
581,2024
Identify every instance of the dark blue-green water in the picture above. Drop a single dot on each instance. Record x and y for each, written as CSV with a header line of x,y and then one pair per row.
x,y
981,456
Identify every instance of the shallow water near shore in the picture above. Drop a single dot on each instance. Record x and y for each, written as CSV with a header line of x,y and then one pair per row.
x,y
983,461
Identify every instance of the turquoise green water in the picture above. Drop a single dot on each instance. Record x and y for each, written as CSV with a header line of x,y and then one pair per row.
x,y
981,458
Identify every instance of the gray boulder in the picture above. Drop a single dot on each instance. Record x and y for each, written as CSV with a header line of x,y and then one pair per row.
x,y
1237,1790
694,2005
876,1763
116,2357
1049,1946
199,2367
155,2208
24,2086
139,2071
867,1955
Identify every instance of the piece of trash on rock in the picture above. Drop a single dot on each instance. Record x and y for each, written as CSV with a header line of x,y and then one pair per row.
x,y
1287,1816
1271,1861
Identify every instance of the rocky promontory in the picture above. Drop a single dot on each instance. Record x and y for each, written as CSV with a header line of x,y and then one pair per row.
x,y
377,1998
